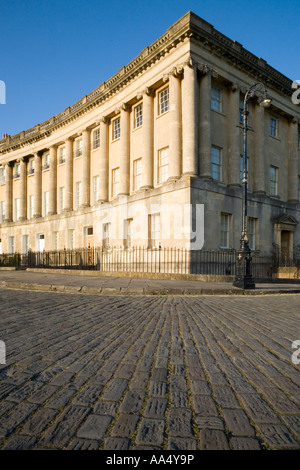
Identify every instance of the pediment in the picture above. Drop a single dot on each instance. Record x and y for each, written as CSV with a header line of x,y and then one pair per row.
x,y
286,219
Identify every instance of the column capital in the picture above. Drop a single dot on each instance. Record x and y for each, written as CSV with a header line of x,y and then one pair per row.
x,y
234,87
189,62
176,71
104,120
149,92
86,130
125,107
294,120
204,69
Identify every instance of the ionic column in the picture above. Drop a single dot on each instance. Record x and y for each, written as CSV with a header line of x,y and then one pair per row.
x,y
205,124
53,181
259,157
69,175
86,182
23,189
8,191
124,151
37,185
103,160
189,121
175,145
234,150
293,170
148,139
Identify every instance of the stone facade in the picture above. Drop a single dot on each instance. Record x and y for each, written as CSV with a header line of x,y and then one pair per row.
x,y
125,163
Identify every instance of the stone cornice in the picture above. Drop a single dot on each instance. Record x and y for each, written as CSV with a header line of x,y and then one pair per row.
x,y
189,27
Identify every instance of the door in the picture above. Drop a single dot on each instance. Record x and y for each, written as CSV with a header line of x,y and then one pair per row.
x,y
285,244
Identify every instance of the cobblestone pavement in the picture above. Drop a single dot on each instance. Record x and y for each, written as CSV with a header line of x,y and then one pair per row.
x,y
149,372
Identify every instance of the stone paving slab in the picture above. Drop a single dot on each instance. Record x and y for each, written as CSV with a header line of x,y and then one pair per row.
x,y
148,372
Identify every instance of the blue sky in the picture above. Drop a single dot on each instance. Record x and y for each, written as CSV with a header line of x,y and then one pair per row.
x,y
54,52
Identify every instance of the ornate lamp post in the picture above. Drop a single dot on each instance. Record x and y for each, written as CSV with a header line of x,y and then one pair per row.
x,y
243,278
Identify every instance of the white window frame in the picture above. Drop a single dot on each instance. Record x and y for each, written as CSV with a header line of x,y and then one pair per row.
x,y
138,116
162,165
155,230
216,163
45,203
96,187
273,180
78,147
78,194
61,198
225,228
2,212
16,208
96,138
46,161
216,99
137,174
55,241
31,206
2,175
128,223
106,234
273,126
116,128
17,170
163,101
61,155
71,239
115,181
11,244
31,166
25,244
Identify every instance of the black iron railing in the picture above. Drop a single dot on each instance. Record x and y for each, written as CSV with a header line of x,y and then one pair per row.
x,y
141,259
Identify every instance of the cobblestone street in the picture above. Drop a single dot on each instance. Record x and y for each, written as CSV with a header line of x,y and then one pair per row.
x,y
149,372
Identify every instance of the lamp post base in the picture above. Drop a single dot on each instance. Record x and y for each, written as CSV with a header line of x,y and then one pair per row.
x,y
246,282
243,277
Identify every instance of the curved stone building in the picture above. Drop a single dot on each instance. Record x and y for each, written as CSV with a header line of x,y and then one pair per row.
x,y
124,164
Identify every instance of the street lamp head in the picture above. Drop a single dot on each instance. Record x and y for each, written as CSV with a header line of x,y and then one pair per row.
x,y
265,102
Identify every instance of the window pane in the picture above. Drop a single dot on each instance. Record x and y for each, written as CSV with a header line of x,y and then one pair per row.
x,y
96,138
216,164
163,161
116,129
138,116
216,99
163,101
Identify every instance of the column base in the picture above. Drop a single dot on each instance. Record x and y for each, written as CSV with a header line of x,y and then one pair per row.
x,y
146,187
206,177
171,179
190,174
293,201
259,193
